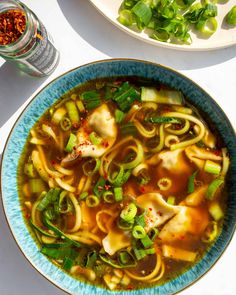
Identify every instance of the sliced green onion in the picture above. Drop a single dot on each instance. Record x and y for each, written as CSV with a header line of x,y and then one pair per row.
x,y
126,258
191,180
140,253
126,17
161,96
231,16
108,197
58,115
99,187
140,219
213,187
129,212
90,95
48,198
171,200
208,26
153,233
146,241
90,167
59,233
56,253
212,167
160,120
150,251
118,193
125,95
37,185
124,225
29,170
65,124
68,263
119,116
160,35
43,232
211,232
93,104
80,106
116,177
72,112
216,211
95,139
91,259
128,129
138,232
72,141
92,201
143,12
91,99
83,195
50,213
114,263
64,207
164,183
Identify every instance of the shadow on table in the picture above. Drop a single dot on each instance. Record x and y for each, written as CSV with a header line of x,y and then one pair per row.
x,y
101,34
17,87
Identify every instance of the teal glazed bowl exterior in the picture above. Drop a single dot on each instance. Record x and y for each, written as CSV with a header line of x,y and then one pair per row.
x,y
209,110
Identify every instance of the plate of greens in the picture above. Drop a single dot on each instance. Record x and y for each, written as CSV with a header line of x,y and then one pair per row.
x,y
177,24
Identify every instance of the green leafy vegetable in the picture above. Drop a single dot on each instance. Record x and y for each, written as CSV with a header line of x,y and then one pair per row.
x,y
231,16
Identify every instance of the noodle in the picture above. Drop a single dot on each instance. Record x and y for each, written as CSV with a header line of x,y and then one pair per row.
x,y
151,275
190,141
77,214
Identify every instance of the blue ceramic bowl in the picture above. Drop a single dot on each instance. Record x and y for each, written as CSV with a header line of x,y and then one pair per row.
x,y
42,101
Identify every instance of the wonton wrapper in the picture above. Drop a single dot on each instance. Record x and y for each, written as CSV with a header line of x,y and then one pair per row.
x,y
174,165
115,240
188,221
103,123
158,211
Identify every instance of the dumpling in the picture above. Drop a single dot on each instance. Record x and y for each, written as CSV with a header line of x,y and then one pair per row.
x,y
158,211
174,165
116,240
103,123
188,222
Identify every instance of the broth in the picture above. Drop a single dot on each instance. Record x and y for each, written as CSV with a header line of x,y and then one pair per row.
x,y
122,183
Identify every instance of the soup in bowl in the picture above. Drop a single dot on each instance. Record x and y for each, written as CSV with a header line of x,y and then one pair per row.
x,y
122,183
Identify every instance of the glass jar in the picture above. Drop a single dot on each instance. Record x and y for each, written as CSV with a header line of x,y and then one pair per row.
x,y
33,52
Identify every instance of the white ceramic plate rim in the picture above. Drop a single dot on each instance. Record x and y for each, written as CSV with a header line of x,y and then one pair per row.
x,y
207,45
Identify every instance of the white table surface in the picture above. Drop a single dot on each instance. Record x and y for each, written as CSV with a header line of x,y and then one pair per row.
x,y
83,35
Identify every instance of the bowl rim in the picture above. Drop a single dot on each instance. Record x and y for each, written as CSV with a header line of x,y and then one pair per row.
x,y
182,76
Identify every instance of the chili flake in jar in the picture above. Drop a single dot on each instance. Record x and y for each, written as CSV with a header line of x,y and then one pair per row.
x,y
12,26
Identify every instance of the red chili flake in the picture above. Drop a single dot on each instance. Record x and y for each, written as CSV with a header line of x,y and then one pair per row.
x,y
107,187
105,144
142,189
27,215
217,152
12,26
75,125
74,148
150,209
130,287
166,109
53,162
159,213
79,153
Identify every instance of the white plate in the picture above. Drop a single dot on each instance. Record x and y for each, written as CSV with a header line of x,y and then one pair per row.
x,y
224,36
